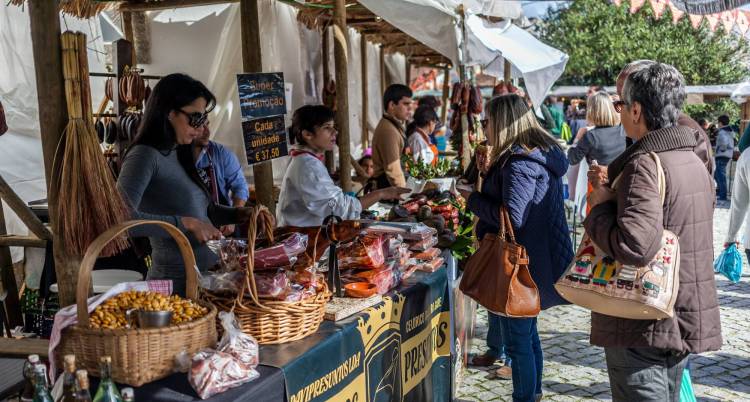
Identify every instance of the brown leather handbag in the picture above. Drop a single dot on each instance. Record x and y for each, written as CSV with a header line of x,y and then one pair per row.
x,y
497,276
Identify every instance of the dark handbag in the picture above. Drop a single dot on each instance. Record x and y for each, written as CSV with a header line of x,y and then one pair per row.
x,y
497,276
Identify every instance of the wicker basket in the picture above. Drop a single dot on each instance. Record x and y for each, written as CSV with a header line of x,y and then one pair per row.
x,y
270,321
139,356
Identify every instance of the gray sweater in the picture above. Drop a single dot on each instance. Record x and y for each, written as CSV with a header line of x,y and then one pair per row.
x,y
724,143
602,144
157,187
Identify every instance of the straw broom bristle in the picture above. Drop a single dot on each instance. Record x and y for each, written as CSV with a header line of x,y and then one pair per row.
x,y
88,202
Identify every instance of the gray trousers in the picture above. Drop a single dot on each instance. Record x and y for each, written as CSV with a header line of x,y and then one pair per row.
x,y
645,374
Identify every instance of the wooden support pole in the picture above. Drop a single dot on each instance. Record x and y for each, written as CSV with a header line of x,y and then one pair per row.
x,y
408,73
47,49
326,79
8,279
342,92
446,93
383,83
252,62
507,68
365,101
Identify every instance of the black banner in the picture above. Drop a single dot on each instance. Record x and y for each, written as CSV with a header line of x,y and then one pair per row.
x,y
398,350
265,139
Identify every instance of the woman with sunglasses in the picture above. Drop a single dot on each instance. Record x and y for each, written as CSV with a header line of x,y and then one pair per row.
x,y
159,180
308,194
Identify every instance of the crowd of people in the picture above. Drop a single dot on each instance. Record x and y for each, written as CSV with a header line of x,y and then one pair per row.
x,y
174,173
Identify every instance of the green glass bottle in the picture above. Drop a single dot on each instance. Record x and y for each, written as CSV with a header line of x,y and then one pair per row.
x,y
69,380
83,394
107,391
28,374
41,393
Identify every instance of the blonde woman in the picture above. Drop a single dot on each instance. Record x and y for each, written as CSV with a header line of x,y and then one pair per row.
x,y
604,142
525,176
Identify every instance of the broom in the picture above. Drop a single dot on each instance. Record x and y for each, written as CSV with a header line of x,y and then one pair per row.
x,y
88,202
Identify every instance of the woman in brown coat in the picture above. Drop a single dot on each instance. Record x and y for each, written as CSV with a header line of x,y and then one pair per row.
x,y
645,358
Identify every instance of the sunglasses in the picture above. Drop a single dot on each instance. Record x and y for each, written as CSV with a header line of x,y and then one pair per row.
x,y
619,105
195,119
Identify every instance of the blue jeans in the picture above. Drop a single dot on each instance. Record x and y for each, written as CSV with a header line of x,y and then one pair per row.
x,y
522,344
495,338
720,175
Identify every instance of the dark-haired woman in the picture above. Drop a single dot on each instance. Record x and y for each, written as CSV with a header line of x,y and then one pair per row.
x,y
418,132
159,180
308,194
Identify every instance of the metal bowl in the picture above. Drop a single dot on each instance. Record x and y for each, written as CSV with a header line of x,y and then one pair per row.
x,y
149,319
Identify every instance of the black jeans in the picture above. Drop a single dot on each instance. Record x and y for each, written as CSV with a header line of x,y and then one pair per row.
x,y
645,374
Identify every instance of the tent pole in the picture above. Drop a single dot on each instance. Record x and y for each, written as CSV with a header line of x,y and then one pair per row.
x,y
342,92
408,73
383,84
365,103
326,79
506,71
252,61
53,117
446,93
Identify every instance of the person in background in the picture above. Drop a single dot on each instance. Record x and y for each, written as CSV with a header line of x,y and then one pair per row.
x,y
159,180
389,139
646,358
417,132
723,154
308,194
598,174
221,173
555,115
739,205
525,176
435,103
365,181
605,141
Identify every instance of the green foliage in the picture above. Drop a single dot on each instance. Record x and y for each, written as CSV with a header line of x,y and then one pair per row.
x,y
712,111
424,171
601,38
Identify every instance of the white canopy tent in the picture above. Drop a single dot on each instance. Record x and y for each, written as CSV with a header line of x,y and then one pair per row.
x,y
487,44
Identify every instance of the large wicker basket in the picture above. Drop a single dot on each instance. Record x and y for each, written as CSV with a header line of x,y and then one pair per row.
x,y
270,321
139,356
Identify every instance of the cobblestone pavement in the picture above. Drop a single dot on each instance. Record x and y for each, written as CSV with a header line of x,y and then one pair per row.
x,y
575,371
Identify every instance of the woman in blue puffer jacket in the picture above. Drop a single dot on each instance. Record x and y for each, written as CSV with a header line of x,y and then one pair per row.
x,y
525,169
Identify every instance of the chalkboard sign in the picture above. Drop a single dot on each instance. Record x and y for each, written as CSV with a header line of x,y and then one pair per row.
x,y
262,106
265,139
261,95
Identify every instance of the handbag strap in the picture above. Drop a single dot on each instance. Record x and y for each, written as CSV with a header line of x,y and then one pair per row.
x,y
661,178
506,228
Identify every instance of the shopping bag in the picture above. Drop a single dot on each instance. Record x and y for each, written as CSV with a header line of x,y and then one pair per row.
x,y
729,263
686,389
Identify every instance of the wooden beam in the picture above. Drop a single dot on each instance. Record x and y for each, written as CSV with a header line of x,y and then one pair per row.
x,y
44,16
506,71
342,92
365,101
22,210
408,73
169,4
325,51
446,93
127,26
8,279
21,241
22,348
383,84
252,62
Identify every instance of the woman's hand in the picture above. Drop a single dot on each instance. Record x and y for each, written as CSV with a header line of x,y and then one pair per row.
x,y
597,175
202,231
227,230
483,159
600,195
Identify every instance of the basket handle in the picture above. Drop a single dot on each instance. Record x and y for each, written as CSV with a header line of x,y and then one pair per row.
x,y
267,221
96,247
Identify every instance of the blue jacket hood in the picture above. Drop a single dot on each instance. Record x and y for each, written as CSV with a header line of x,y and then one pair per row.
x,y
554,160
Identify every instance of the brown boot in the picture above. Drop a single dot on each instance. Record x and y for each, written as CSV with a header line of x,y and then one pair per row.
x,y
504,373
483,360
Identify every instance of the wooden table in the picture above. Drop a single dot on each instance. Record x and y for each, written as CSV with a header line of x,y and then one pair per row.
x,y
10,347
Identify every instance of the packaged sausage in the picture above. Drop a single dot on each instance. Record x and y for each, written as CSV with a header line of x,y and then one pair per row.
x,y
365,252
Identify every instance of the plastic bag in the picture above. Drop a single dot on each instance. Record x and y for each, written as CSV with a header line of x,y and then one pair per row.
x,y
215,371
237,343
222,281
282,254
230,252
729,263
384,278
272,285
364,252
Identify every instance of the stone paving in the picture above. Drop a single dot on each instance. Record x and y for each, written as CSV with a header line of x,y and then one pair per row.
x,y
575,371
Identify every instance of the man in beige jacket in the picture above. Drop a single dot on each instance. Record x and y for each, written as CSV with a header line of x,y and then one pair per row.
x,y
389,139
